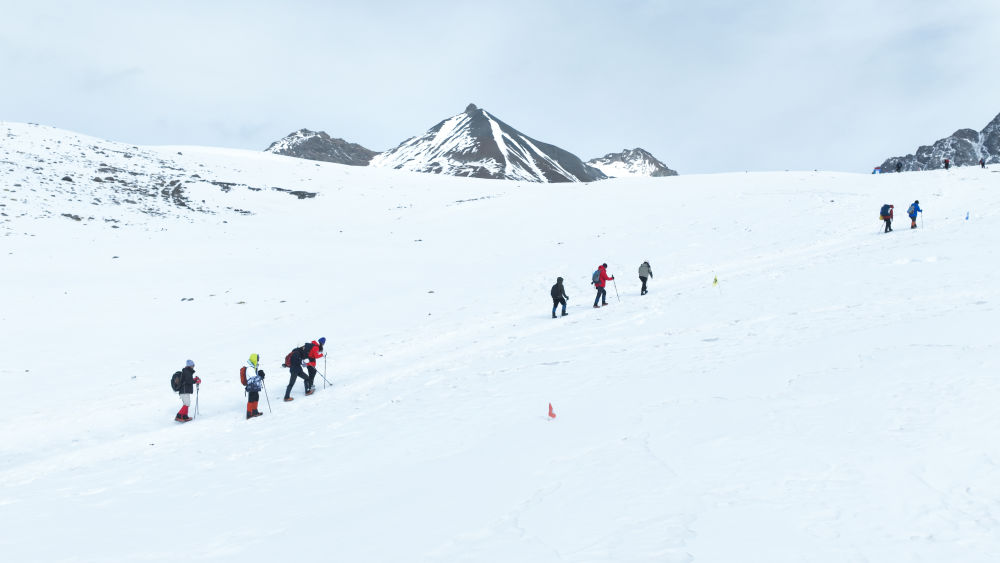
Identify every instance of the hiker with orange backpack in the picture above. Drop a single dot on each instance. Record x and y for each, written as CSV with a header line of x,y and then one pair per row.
x,y
253,385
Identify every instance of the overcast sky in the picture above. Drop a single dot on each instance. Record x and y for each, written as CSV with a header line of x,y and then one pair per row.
x,y
706,86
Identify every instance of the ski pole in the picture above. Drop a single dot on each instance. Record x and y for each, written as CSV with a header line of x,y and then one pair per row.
x,y
324,379
616,289
264,387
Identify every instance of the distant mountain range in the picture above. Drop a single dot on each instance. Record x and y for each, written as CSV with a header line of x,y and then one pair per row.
x,y
475,144
963,148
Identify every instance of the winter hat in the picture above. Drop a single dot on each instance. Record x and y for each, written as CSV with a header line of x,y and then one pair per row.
x,y
260,373
322,340
558,280
189,363
916,201
604,265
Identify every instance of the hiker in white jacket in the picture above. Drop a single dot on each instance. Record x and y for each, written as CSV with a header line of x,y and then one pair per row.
x,y
645,272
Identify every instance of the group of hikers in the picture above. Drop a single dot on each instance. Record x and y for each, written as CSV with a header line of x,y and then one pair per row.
x,y
599,280
185,383
946,162
885,214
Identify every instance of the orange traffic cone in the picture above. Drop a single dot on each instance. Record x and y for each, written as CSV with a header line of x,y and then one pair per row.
x,y
552,413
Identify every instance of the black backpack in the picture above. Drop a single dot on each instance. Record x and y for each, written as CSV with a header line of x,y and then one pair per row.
x,y
175,381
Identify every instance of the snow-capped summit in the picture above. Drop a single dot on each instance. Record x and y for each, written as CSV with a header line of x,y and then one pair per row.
x,y
317,145
631,162
476,144
963,148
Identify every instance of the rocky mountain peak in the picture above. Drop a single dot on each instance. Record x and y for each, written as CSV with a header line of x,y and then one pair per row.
x,y
963,148
476,144
318,145
631,162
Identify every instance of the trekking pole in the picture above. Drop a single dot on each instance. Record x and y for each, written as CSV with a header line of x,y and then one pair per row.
x,y
324,369
324,379
616,291
264,387
197,388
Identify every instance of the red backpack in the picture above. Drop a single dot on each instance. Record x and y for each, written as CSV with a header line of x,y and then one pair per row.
x,y
243,375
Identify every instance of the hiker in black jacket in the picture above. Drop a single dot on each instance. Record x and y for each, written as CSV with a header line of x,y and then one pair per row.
x,y
559,297
298,356
188,381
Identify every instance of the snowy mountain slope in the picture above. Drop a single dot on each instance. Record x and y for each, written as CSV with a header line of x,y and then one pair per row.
x,y
476,144
318,145
47,172
830,400
964,148
631,162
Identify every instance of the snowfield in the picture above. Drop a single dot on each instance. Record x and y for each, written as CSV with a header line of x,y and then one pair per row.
x,y
833,398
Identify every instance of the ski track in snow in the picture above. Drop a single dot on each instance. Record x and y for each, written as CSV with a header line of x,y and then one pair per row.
x,y
831,399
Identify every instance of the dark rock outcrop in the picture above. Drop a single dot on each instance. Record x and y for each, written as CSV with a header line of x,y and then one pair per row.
x,y
964,148
317,145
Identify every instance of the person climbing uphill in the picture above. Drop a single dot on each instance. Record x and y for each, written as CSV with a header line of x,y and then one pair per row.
x,y
599,280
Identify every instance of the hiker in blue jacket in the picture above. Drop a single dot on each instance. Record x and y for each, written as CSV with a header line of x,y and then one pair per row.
x,y
912,212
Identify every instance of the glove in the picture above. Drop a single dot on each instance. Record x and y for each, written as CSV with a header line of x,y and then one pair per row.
x,y
197,380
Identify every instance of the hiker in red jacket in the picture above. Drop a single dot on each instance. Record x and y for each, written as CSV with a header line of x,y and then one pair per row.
x,y
602,279
314,354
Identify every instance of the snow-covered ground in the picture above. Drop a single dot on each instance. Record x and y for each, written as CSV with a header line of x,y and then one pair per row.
x,y
834,398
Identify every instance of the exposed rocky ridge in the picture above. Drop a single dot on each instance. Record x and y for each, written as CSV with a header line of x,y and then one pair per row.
x,y
631,162
476,144
964,148
318,145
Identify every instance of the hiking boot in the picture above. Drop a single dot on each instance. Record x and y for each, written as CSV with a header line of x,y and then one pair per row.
x,y
597,306
564,314
249,415
311,391
553,315
257,413
287,399
604,304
